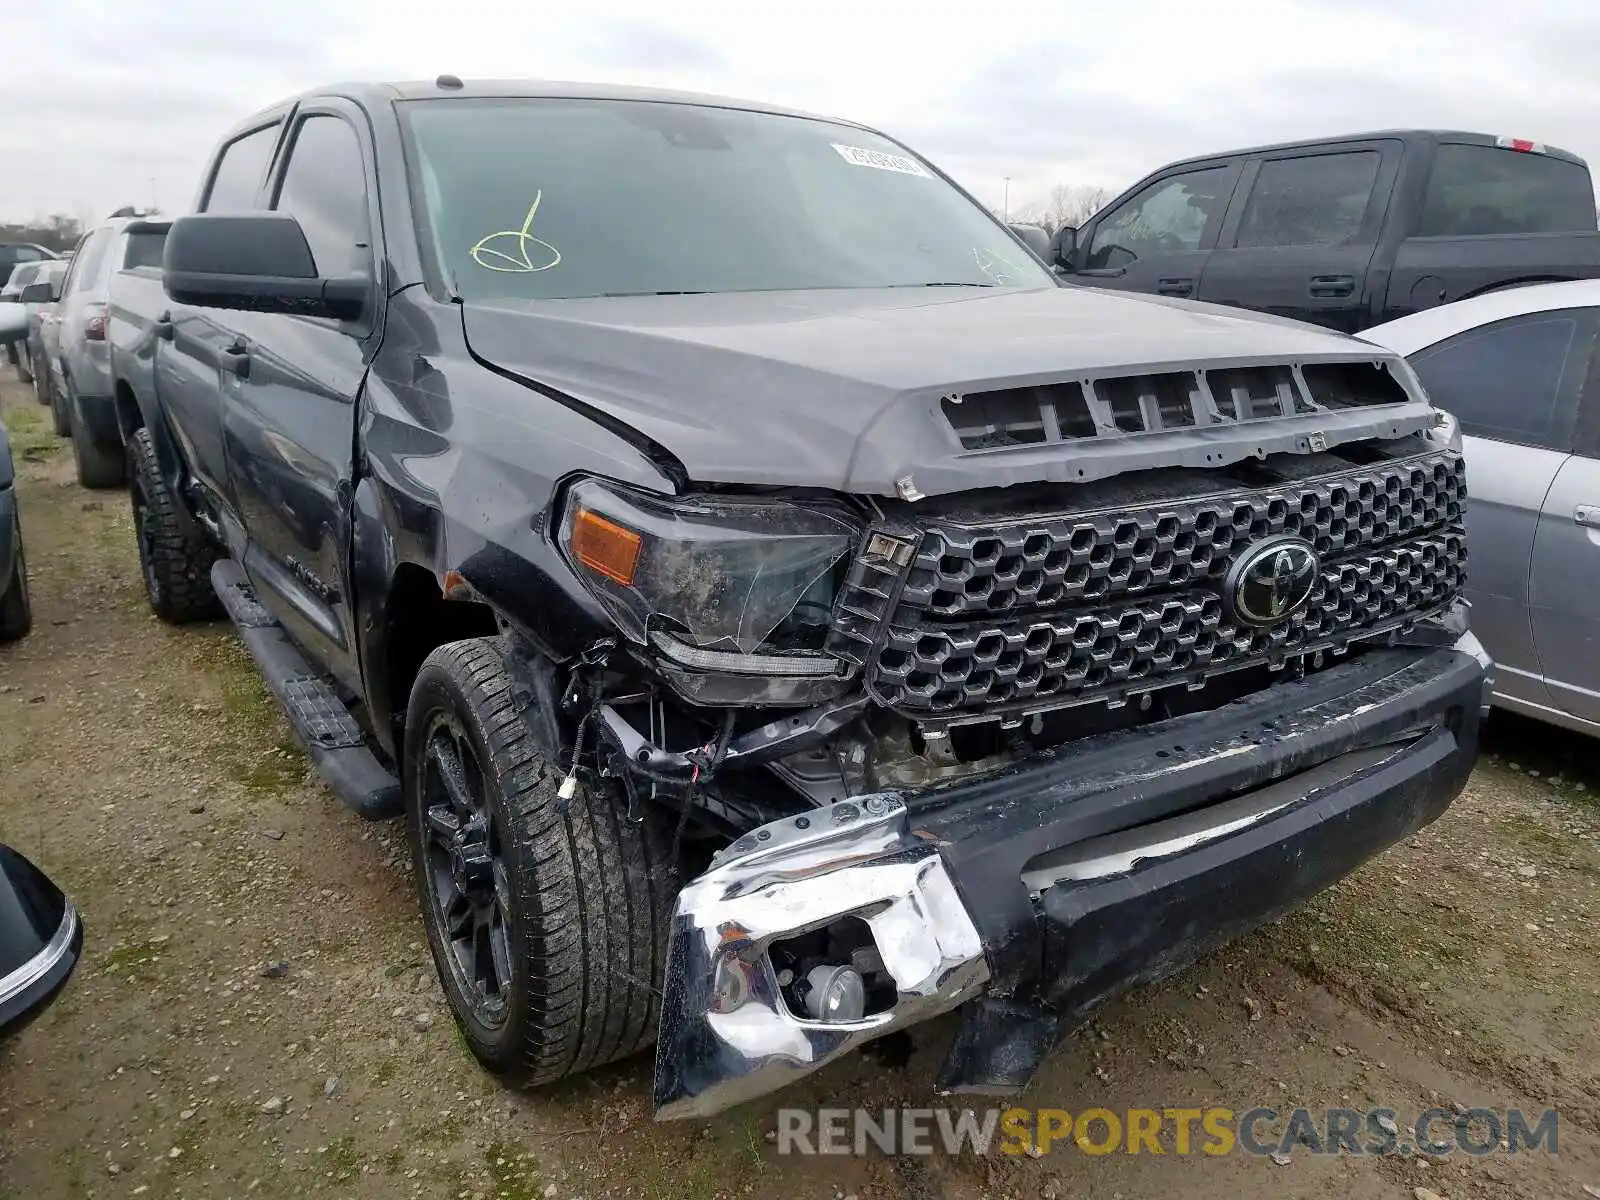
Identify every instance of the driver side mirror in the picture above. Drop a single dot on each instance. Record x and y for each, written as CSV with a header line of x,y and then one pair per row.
x,y
37,293
254,262
1064,249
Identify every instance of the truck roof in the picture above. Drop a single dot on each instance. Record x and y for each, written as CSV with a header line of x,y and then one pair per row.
x,y
1405,135
375,94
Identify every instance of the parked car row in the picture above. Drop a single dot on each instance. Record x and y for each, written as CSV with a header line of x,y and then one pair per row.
x,y
31,349
74,372
41,933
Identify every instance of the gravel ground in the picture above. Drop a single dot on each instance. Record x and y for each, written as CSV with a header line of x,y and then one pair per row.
x,y
255,1015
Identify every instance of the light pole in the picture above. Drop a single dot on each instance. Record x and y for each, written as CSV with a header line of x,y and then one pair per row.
x,y
1005,203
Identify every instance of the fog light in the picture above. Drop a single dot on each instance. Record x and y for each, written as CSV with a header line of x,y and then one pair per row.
x,y
835,994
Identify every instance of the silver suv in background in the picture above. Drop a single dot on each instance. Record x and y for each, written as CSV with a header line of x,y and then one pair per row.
x,y
82,394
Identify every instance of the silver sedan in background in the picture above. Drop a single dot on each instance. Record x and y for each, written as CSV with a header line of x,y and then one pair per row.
x,y
1518,369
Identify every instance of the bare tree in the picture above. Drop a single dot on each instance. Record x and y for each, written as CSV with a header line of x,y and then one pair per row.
x,y
58,231
1069,205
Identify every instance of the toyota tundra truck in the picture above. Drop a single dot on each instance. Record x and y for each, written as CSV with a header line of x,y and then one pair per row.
x,y
780,610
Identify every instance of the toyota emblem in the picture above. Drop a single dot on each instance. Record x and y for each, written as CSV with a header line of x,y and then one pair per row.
x,y
1272,580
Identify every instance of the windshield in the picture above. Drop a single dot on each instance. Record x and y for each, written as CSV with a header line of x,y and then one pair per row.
x,y
552,198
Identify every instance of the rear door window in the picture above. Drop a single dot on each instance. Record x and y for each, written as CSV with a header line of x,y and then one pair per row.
x,y
1517,380
86,264
1316,200
144,250
236,183
1476,190
1173,215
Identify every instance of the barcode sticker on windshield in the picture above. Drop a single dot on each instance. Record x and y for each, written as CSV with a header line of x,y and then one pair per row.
x,y
884,162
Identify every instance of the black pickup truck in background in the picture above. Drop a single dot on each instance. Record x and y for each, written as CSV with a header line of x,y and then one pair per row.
x,y
1346,232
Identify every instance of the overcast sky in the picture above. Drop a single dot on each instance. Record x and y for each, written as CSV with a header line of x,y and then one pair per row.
x,y
119,103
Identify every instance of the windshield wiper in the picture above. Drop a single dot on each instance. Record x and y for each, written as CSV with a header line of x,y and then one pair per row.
x,y
946,283
700,292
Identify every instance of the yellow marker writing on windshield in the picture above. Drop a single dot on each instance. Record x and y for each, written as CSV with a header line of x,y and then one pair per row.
x,y
519,252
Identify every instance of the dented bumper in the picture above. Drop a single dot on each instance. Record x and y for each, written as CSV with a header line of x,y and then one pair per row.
x,y
1039,893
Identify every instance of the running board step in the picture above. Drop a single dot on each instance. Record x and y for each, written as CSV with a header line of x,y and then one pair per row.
x,y
336,743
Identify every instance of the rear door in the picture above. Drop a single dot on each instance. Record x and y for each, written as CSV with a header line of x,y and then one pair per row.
x,y
1491,214
1301,243
1565,576
290,432
1158,239
1514,385
194,378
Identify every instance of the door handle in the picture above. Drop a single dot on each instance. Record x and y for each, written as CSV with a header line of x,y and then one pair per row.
x,y
1175,287
236,359
1587,515
1331,287
164,328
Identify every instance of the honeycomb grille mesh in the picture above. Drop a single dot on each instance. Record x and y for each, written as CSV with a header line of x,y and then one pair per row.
x,y
1070,608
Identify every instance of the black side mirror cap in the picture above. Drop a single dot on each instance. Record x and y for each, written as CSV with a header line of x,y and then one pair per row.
x,y
36,293
1064,249
254,262
41,941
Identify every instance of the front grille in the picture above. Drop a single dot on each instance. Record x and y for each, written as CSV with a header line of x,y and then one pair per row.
x,y
1036,611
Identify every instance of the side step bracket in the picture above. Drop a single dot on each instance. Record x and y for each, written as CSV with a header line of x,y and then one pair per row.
x,y
337,745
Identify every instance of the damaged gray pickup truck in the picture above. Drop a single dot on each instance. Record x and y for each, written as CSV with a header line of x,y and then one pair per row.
x,y
781,610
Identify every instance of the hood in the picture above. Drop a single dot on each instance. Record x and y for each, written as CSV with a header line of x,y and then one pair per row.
x,y
842,389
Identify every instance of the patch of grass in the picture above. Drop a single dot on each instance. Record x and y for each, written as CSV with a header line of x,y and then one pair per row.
x,y
341,1160
513,1172
391,1160
32,438
1551,847
383,1074
1529,833
278,770
259,753
73,1174
702,1177
135,960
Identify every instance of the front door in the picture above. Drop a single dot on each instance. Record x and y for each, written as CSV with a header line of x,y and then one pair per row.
x,y
291,432
1304,238
1158,240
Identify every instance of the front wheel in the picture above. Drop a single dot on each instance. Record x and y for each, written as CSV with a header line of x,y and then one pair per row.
x,y
547,918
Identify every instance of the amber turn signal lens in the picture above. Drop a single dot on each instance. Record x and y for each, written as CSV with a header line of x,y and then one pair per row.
x,y
604,546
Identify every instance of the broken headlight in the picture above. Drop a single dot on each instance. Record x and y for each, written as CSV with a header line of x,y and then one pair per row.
x,y
713,583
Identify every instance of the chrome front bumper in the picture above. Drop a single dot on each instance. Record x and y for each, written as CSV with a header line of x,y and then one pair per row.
x,y
727,1033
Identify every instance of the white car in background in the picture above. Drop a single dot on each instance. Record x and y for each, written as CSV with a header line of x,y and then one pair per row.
x,y
1519,369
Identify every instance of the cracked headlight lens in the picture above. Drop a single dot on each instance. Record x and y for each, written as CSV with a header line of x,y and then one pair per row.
x,y
720,576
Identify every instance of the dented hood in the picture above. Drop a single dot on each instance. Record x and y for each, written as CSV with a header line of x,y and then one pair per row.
x,y
841,389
